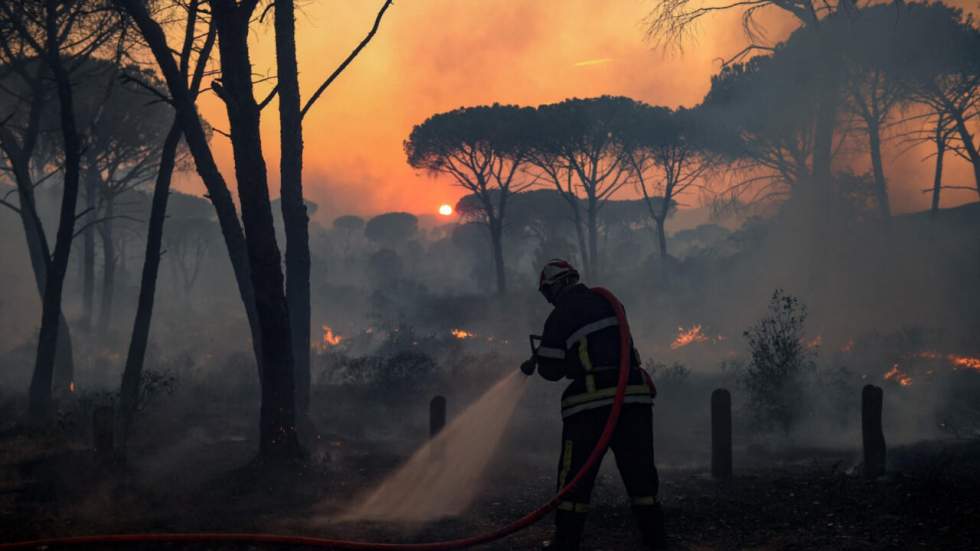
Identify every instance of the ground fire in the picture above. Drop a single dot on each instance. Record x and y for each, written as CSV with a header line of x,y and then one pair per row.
x,y
688,336
329,337
897,375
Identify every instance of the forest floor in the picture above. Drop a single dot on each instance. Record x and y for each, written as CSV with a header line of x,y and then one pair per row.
x,y
811,499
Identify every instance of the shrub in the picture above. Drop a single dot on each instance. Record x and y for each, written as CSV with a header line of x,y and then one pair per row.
x,y
774,375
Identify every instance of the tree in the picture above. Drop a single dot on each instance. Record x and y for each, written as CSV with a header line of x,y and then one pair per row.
x,y
577,146
670,22
124,127
481,148
61,34
349,224
938,53
666,153
762,118
26,94
252,243
871,91
392,229
192,72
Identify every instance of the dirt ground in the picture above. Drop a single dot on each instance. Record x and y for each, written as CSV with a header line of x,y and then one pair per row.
x,y
810,499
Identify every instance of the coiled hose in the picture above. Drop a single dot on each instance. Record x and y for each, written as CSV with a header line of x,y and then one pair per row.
x,y
625,349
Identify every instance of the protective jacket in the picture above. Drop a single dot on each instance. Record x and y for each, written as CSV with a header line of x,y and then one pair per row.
x,y
581,343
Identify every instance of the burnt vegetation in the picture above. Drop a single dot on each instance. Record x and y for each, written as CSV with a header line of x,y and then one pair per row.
x,y
260,362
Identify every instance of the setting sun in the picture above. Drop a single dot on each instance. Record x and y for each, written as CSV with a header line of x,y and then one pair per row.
x,y
445,209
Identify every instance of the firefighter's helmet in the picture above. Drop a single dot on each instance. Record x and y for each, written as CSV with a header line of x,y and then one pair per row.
x,y
556,276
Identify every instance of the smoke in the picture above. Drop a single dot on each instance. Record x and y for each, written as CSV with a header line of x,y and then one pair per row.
x,y
443,477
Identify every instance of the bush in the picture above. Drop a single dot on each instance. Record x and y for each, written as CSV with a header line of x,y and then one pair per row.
x,y
774,377
674,375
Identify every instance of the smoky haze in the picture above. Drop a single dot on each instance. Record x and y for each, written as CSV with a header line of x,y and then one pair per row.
x,y
720,224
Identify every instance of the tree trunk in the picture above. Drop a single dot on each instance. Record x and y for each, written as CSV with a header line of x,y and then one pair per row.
x,y
41,379
937,179
129,389
661,237
881,185
294,215
496,242
580,236
968,145
108,269
817,195
277,417
204,162
40,256
88,247
593,239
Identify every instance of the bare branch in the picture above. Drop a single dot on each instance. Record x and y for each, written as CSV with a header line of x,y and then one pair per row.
x,y
350,58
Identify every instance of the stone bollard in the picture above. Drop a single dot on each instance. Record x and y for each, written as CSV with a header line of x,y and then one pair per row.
x,y
871,431
437,415
102,438
721,434
437,420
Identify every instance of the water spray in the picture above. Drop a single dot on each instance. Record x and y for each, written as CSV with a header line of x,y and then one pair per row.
x,y
280,539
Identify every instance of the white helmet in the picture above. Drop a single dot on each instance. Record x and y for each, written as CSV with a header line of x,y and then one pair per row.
x,y
556,276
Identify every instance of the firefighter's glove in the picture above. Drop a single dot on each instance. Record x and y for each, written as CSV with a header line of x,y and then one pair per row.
x,y
528,366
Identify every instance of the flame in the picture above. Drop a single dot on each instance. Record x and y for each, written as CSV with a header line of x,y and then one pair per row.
x,y
956,360
684,338
964,361
814,342
462,334
330,338
896,374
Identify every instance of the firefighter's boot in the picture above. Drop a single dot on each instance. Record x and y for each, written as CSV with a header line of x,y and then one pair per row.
x,y
650,520
568,531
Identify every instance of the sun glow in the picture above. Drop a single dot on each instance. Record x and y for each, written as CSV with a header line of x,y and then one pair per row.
x,y
445,209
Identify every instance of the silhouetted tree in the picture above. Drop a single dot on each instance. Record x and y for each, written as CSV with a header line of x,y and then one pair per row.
x,y
255,252
124,127
938,53
192,72
577,145
482,149
666,152
670,22
392,229
56,32
869,46
25,95
762,115
349,224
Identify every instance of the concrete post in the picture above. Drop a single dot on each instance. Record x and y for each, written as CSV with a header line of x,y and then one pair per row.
x,y
437,415
872,434
721,434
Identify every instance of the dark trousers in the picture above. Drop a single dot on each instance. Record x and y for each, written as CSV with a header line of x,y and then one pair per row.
x,y
632,445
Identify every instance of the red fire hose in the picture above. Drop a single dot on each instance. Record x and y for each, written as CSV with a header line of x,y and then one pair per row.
x,y
625,350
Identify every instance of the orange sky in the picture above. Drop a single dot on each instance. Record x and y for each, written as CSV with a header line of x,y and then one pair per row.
x,y
435,55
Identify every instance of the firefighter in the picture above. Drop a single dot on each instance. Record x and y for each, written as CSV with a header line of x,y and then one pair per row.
x,y
581,343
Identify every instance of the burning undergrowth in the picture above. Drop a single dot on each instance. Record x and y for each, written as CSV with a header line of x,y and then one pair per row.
x,y
793,388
